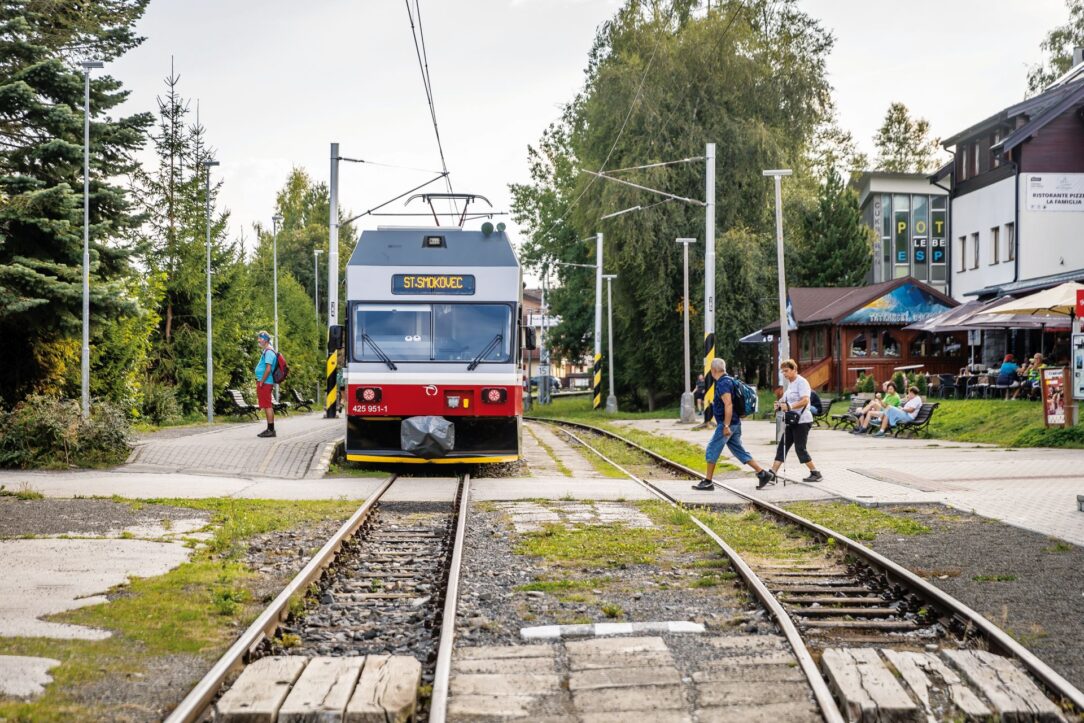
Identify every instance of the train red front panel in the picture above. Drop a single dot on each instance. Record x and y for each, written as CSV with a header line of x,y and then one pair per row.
x,y
448,400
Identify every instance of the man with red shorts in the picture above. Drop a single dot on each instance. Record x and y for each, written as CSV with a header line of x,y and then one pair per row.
x,y
265,381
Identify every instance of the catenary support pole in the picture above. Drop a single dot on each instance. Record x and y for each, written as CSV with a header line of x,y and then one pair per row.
x,y
275,220
316,298
84,362
207,165
709,270
688,408
597,376
543,353
611,400
784,327
331,386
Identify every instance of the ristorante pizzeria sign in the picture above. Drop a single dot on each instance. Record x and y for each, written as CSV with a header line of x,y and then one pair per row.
x,y
1055,191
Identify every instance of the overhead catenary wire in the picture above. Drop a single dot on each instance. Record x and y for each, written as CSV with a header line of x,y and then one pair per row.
x,y
423,66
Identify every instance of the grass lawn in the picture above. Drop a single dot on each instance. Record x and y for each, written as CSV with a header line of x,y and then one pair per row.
x,y
195,610
1011,423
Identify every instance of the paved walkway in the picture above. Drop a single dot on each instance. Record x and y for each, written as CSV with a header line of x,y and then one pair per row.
x,y
235,450
1034,488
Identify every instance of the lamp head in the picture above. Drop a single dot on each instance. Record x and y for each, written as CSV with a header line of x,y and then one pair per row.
x,y
91,64
778,172
208,164
686,240
277,218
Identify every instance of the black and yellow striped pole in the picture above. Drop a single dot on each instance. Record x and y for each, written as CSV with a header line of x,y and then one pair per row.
x,y
709,277
331,380
709,382
597,378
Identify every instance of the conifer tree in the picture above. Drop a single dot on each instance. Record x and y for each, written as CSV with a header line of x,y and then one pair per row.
x,y
41,205
835,246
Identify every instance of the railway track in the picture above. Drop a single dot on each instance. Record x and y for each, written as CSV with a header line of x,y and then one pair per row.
x,y
849,611
382,595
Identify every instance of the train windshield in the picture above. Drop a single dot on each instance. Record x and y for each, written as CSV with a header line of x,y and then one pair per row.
x,y
433,332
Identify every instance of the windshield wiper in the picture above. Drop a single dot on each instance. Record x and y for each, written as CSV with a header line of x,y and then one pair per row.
x,y
489,347
379,352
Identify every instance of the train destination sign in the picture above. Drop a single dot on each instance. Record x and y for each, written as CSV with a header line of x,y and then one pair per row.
x,y
461,284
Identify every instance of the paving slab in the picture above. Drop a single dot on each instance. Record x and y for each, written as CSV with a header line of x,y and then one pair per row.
x,y
23,676
623,678
259,691
1031,488
771,713
47,576
505,684
556,488
643,700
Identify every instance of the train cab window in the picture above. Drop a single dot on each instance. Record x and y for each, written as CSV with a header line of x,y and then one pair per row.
x,y
403,333
432,332
463,331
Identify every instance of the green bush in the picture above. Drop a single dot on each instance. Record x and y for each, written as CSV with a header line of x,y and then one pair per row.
x,y
160,405
865,385
900,380
918,380
47,432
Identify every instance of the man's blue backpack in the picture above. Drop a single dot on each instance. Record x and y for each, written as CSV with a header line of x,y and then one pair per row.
x,y
744,398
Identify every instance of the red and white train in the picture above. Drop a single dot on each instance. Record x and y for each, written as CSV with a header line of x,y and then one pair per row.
x,y
431,347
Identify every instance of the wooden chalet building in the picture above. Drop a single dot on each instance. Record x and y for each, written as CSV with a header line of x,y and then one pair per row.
x,y
838,333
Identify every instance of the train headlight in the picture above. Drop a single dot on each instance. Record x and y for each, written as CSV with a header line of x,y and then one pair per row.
x,y
368,395
494,395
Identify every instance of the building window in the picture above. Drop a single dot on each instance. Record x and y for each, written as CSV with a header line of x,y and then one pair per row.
x,y
975,159
963,254
975,248
858,346
820,344
995,245
964,166
889,344
997,139
1010,241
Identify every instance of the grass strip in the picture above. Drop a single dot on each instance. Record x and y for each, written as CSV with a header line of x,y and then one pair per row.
x,y
561,466
194,611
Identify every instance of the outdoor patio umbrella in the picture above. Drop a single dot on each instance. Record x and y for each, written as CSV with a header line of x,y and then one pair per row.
x,y
1058,301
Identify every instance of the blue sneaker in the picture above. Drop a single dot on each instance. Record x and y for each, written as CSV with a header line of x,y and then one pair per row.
x,y
879,433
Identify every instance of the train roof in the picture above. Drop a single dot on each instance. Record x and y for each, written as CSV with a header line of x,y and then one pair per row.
x,y
408,247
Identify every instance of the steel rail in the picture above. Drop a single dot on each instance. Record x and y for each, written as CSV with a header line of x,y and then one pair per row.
x,y
1049,677
438,706
821,693
194,704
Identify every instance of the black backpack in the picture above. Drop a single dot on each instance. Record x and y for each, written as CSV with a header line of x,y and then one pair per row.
x,y
815,405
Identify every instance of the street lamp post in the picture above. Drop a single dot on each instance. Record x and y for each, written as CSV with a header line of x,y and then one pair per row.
x,y
210,367
611,401
275,221
784,330
688,408
85,358
316,300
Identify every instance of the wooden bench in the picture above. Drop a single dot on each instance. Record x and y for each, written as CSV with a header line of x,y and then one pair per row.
x,y
300,401
850,418
238,405
921,422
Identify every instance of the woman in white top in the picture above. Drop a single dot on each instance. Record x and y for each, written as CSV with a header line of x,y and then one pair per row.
x,y
906,412
795,399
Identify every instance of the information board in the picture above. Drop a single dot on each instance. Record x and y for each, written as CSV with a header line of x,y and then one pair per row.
x,y
1053,381
1055,191
456,284
1078,366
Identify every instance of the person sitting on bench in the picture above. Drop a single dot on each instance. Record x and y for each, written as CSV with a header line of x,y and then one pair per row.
x,y
906,413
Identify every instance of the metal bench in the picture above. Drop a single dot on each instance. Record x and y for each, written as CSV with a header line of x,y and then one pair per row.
x,y
850,417
238,405
822,415
300,401
921,422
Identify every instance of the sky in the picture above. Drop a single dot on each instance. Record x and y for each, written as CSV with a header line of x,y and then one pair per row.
x,y
277,81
